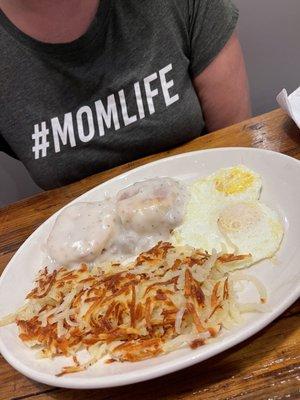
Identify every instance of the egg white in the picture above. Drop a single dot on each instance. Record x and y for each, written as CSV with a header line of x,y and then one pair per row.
x,y
224,214
252,227
207,200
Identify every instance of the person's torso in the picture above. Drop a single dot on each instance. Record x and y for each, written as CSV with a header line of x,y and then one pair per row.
x,y
120,92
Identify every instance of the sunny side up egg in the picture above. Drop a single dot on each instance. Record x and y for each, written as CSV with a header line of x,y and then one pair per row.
x,y
251,227
224,213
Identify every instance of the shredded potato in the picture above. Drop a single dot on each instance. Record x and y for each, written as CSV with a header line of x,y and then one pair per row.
x,y
169,297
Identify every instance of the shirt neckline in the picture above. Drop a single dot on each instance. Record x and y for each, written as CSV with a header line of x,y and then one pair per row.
x,y
83,43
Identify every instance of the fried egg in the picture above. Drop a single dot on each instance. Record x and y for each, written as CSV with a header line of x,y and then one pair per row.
x,y
251,227
224,213
228,184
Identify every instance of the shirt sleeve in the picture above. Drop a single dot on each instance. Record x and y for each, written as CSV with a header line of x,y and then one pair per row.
x,y
212,23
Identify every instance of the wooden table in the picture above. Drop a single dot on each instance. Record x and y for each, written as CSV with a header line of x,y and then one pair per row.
x,y
265,366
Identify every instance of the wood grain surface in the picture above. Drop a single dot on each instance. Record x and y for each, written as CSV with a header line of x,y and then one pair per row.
x,y
266,366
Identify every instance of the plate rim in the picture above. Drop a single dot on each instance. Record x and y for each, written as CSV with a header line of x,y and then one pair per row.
x,y
151,372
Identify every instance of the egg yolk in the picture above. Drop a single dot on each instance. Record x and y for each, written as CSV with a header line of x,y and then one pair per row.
x,y
239,217
234,181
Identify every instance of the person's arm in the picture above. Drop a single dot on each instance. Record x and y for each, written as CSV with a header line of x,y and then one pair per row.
x,y
222,88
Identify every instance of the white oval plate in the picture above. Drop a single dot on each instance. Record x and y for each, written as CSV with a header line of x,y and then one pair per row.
x,y
281,191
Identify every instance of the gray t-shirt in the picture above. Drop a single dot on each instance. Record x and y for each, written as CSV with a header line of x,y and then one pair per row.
x,y
121,91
